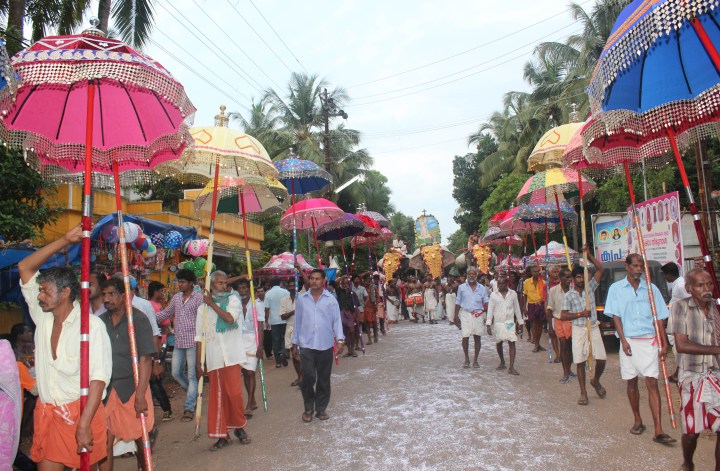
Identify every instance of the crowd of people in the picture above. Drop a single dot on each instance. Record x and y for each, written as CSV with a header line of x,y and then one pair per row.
x,y
311,325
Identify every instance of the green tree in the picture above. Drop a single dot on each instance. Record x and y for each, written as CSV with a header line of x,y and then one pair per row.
x,y
169,190
502,197
134,19
466,182
457,241
24,210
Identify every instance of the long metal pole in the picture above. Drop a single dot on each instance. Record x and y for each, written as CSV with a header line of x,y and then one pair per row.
x,y
248,262
147,452
651,295
208,267
586,275
562,228
85,268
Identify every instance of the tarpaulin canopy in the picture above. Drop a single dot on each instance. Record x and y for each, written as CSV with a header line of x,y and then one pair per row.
x,y
149,226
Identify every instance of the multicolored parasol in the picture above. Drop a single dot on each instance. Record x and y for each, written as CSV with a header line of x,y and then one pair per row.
x,y
339,229
553,253
560,183
306,176
311,214
283,265
377,217
548,152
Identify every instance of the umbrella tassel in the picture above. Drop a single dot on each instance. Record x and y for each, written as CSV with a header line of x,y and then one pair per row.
x,y
208,266
248,262
651,295
85,269
147,452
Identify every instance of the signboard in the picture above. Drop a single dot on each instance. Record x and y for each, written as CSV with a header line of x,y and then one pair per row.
x,y
427,230
611,239
660,221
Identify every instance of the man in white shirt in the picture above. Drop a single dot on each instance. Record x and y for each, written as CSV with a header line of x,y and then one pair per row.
x,y
273,301
503,310
52,298
675,283
224,353
252,351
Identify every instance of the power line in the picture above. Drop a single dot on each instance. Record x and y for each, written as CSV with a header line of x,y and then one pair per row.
x,y
463,52
195,72
416,147
278,36
232,87
258,35
531,43
236,45
440,84
227,59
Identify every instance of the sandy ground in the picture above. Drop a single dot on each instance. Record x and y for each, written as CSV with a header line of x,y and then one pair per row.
x,y
408,405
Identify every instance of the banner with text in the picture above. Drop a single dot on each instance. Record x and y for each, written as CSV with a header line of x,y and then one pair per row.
x,y
660,223
611,240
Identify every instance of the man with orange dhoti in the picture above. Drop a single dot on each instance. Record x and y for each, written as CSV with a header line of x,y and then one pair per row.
x,y
126,400
224,353
61,431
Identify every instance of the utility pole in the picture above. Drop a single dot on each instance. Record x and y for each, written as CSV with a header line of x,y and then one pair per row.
x,y
329,110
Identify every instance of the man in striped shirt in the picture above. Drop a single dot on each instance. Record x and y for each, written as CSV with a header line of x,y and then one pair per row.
x,y
184,307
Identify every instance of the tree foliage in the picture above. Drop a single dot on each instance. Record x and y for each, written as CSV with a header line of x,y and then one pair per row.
x,y
457,241
404,225
169,190
502,197
24,210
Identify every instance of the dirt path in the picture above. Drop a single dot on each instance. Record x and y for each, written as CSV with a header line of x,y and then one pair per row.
x,y
408,404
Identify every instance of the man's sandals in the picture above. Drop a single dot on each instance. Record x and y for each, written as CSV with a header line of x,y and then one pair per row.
x,y
187,416
664,439
598,389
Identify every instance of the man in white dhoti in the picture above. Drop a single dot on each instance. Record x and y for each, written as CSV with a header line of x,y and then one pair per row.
x,y
430,298
503,311
470,309
450,298
392,302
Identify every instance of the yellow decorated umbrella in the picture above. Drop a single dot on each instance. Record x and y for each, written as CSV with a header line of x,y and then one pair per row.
x,y
548,151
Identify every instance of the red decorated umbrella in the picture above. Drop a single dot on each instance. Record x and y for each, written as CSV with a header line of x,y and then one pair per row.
x,y
88,103
311,214
377,217
497,218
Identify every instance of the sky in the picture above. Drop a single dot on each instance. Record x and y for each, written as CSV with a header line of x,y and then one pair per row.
x,y
422,76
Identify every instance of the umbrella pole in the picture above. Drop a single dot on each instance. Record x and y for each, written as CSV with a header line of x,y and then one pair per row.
x,y
702,240
586,275
208,266
651,295
295,241
147,452
342,247
248,262
562,228
317,247
85,268
352,264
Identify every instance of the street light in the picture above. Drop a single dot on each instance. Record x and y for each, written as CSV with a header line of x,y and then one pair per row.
x,y
329,109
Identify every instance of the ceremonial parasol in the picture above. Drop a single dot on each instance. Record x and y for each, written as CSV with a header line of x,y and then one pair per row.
x,y
497,218
548,151
377,217
368,236
90,103
657,83
552,253
283,265
339,229
386,233
301,177
243,196
310,214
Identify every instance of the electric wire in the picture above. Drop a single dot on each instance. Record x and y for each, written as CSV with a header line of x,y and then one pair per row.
x,y
278,36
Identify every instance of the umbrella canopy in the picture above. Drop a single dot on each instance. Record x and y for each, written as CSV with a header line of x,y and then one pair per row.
x,y
497,218
548,151
261,195
377,217
347,226
238,154
543,187
301,177
365,239
539,214
496,236
386,234
553,252
372,228
516,261
283,265
141,113
309,214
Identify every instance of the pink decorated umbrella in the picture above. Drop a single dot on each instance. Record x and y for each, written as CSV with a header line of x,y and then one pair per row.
x,y
90,103
310,214
283,265
386,233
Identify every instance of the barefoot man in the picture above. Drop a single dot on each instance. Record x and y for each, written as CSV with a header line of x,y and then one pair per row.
x,y
562,328
534,289
470,306
503,309
574,308
693,322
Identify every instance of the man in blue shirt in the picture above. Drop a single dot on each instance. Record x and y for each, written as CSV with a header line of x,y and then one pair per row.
x,y
273,303
317,326
629,306
470,307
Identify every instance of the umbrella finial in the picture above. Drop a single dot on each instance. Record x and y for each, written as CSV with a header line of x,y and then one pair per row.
x,y
93,29
574,115
221,119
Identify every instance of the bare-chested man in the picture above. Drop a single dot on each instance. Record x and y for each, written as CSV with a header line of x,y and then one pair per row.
x,y
415,295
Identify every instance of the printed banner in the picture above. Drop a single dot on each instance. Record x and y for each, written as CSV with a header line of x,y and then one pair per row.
x,y
427,230
611,240
660,220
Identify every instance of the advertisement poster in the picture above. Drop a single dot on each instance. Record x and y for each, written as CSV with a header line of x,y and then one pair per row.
x,y
660,223
611,240
427,230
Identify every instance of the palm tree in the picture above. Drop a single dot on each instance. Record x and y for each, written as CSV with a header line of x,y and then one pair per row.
x,y
63,16
265,125
134,19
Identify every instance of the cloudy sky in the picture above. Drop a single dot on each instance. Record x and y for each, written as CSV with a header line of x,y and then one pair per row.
x,y
422,75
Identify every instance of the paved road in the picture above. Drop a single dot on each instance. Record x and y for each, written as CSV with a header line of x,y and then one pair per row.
x,y
408,405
